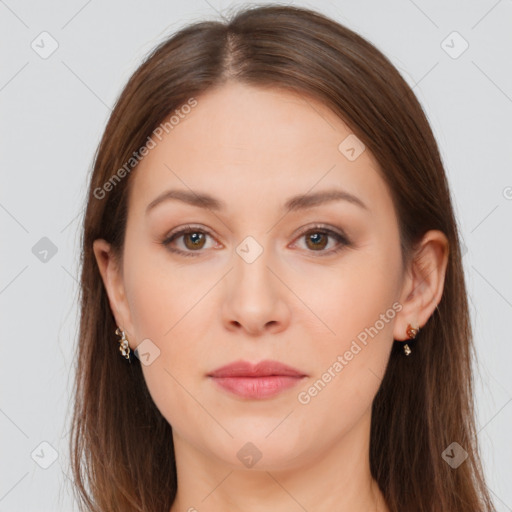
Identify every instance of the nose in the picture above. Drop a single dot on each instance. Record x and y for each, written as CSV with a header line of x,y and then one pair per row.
x,y
256,299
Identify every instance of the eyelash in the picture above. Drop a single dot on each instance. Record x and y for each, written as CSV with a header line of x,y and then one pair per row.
x,y
341,238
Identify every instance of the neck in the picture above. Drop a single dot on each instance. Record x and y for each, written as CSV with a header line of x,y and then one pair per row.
x,y
337,478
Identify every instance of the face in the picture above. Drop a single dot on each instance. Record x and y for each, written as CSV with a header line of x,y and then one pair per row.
x,y
312,284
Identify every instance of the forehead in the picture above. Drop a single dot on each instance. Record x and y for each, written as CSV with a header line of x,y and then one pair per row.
x,y
261,143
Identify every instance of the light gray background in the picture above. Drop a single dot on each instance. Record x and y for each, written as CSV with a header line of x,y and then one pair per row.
x,y
54,110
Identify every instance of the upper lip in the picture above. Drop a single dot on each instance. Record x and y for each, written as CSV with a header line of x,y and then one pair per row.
x,y
265,368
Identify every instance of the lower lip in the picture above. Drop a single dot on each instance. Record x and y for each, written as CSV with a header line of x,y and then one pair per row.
x,y
257,387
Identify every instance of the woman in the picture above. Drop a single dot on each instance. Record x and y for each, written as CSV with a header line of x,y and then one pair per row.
x,y
269,232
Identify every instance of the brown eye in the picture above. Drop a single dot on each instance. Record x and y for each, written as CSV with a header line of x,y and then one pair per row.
x,y
190,241
317,240
194,240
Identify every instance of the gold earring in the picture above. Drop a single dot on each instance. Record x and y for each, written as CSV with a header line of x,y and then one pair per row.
x,y
412,332
124,348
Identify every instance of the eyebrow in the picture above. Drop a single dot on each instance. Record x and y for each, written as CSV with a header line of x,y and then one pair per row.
x,y
295,203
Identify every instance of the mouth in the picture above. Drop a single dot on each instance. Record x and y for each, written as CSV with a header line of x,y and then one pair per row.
x,y
263,380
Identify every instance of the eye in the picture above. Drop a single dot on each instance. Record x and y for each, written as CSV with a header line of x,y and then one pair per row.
x,y
317,239
193,240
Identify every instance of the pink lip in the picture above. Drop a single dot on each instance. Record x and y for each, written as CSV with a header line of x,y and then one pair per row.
x,y
262,380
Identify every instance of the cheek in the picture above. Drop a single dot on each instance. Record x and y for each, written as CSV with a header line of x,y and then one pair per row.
x,y
357,308
165,308
351,297
349,364
160,293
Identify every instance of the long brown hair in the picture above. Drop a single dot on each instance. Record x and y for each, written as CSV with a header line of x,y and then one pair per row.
x,y
121,446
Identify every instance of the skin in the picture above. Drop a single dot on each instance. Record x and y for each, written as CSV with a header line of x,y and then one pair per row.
x,y
254,148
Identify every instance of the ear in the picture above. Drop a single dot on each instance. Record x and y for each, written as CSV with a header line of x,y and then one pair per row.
x,y
111,274
423,285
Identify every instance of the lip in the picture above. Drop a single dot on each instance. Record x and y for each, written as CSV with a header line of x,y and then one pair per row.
x,y
262,380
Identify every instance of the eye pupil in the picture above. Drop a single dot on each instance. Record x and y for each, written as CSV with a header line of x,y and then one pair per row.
x,y
196,238
317,237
